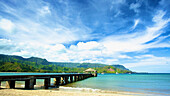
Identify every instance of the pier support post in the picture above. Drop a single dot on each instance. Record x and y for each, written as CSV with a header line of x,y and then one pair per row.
x,y
57,81
47,82
77,78
95,74
10,84
62,80
34,81
74,79
29,84
66,80
71,79
82,77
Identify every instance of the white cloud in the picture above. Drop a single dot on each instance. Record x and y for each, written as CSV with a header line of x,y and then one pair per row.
x,y
118,1
7,25
32,31
136,41
135,6
7,46
124,57
50,52
44,10
116,5
148,60
159,16
33,24
87,46
108,50
135,23
144,56
118,13
111,61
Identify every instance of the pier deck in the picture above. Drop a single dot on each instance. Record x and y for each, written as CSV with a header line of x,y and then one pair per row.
x,y
30,80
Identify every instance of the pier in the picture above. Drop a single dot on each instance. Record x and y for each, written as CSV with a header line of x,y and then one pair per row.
x,y
30,80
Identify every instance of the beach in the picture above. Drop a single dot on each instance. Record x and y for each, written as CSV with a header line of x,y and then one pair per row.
x,y
21,92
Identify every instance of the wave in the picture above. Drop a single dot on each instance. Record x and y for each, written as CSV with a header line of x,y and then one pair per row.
x,y
80,89
91,90
102,91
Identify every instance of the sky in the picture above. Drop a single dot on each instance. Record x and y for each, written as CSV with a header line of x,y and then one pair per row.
x,y
133,33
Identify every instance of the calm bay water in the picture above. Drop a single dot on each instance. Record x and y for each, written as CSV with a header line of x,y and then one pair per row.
x,y
153,84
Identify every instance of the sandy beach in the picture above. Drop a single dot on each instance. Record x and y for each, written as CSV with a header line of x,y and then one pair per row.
x,y
20,92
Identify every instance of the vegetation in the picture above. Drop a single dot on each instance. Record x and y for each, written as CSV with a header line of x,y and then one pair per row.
x,y
10,63
106,69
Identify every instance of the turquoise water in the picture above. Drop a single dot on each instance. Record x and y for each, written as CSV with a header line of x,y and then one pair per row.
x,y
153,84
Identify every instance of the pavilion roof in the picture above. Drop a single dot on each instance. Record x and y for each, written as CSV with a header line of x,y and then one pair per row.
x,y
89,70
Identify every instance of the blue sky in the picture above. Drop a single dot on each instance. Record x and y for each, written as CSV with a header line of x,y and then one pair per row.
x,y
134,33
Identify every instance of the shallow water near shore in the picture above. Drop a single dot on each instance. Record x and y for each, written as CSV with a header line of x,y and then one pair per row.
x,y
153,84
148,84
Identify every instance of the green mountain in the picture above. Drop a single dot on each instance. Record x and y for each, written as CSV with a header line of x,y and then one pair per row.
x,y
38,61
86,65
9,63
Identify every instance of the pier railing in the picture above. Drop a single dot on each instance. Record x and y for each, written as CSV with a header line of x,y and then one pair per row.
x,y
30,80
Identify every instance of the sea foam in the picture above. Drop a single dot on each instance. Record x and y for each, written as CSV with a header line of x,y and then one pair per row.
x,y
80,89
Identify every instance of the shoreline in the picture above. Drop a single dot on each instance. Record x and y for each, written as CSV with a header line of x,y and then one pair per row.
x,y
66,91
21,92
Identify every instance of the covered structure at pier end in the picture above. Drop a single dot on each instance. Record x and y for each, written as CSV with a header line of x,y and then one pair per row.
x,y
92,71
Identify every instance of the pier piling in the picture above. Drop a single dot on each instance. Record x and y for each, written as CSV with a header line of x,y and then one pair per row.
x,y
57,81
74,78
29,84
66,80
10,84
30,80
71,79
47,83
62,81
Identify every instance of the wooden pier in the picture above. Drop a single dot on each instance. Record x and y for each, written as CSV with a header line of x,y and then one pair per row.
x,y
30,80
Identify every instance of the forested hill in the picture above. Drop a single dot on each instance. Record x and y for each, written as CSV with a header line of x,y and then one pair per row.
x,y
85,65
34,64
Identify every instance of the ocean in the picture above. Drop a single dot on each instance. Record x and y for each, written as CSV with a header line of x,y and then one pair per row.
x,y
151,84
